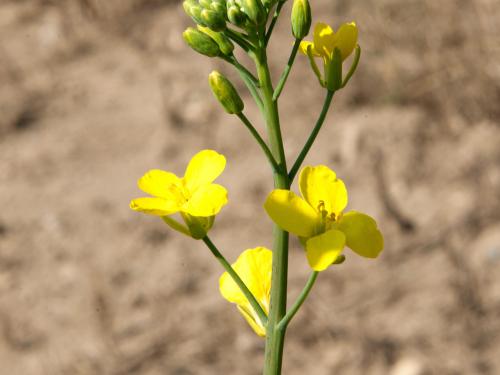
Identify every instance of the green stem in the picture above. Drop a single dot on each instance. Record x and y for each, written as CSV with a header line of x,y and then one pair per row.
x,y
239,39
312,136
250,82
259,140
300,300
274,20
275,337
286,72
248,294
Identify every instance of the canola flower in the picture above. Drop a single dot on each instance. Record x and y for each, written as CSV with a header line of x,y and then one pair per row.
x,y
333,47
318,218
194,196
254,267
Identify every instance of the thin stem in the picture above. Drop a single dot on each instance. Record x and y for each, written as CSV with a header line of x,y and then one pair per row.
x,y
250,81
259,140
239,40
287,70
300,300
312,136
275,338
274,20
248,294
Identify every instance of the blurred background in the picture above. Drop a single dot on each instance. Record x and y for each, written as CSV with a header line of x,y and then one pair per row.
x,y
94,93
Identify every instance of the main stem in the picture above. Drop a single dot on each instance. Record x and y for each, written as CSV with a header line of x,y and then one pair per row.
x,y
275,337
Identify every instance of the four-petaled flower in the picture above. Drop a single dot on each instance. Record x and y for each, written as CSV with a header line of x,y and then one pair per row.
x,y
327,44
318,220
194,196
254,267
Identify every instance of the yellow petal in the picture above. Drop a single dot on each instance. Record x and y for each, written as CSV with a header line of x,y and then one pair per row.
x,y
324,38
346,39
203,169
206,201
320,184
324,249
154,206
254,267
161,184
304,45
362,234
292,213
253,320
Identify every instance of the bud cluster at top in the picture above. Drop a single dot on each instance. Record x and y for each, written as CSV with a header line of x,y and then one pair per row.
x,y
214,14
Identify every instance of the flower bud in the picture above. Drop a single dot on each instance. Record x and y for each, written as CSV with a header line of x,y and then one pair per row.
x,y
201,42
224,43
193,10
213,19
254,10
301,18
225,93
236,16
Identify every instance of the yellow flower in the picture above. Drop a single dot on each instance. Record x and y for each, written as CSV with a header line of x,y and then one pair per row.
x,y
254,267
328,44
325,40
318,220
194,196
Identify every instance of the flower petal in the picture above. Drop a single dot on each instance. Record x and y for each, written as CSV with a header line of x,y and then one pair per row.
x,y
304,45
346,39
320,184
323,250
154,206
254,267
292,213
253,320
324,38
161,184
203,169
206,201
362,234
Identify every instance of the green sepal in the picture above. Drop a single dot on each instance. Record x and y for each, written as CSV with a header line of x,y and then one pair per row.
x,y
333,71
198,226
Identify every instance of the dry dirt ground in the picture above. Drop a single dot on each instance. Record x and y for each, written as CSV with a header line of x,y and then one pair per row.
x,y
94,93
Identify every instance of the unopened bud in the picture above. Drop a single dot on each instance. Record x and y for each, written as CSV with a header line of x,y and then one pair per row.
x,y
236,16
201,42
225,93
213,19
301,18
254,10
224,43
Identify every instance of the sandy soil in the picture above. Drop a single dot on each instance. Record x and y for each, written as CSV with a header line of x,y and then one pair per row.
x,y
93,94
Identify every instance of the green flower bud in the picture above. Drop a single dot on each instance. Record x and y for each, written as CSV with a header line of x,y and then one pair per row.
x,y
224,43
268,3
301,18
213,20
193,10
254,10
225,93
201,42
236,16
205,3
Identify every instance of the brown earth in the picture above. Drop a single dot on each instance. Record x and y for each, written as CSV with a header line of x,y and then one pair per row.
x,y
94,93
